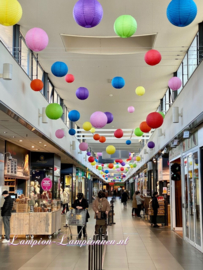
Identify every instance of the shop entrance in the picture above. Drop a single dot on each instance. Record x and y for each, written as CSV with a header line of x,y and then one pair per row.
x,y
192,199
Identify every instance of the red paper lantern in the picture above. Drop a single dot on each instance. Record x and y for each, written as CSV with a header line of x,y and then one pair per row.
x,y
69,78
152,57
120,161
91,159
111,166
36,85
102,165
154,120
144,127
130,158
97,166
102,139
96,137
111,184
122,169
117,160
104,176
118,133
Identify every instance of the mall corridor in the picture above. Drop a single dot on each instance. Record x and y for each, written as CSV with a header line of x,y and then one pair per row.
x,y
147,249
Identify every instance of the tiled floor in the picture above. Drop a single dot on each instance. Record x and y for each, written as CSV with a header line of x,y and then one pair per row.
x,y
147,248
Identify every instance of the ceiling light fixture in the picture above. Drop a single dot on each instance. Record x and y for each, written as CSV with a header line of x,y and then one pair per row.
x,y
40,142
33,146
20,140
5,132
111,95
45,145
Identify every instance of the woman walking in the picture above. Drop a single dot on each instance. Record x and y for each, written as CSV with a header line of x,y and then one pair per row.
x,y
134,205
139,200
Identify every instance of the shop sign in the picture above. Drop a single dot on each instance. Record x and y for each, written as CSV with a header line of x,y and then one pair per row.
x,y
165,190
46,184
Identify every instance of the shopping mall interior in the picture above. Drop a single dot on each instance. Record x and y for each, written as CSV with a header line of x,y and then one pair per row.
x,y
101,134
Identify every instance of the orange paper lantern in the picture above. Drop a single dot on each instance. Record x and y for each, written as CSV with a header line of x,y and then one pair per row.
x,y
36,85
102,139
96,137
144,127
111,166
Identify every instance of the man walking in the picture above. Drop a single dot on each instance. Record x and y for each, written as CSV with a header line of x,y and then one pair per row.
x,y
6,214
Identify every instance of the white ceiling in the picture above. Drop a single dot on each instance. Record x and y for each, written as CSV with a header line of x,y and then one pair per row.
x,y
94,71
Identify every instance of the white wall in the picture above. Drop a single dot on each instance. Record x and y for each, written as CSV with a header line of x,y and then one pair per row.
x,y
190,103
18,95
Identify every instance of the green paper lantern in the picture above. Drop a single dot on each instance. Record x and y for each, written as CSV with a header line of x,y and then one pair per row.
x,y
125,26
100,168
117,166
134,165
162,114
54,111
138,132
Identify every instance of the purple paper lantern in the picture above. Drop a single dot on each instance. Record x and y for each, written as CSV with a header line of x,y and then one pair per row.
x,y
82,93
88,13
83,146
88,154
109,117
175,83
151,145
123,163
60,133
98,119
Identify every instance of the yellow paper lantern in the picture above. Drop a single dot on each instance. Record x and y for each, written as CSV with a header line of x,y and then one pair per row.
x,y
131,166
138,158
110,149
101,172
140,91
93,163
10,12
87,126
92,130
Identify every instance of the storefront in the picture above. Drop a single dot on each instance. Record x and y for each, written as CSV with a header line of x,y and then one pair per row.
x,y
88,187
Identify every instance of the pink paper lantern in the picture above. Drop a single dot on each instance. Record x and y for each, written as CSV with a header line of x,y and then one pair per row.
x,y
83,146
36,39
98,119
131,109
60,133
175,83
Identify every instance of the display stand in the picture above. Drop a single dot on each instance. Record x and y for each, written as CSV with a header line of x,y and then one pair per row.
x,y
111,214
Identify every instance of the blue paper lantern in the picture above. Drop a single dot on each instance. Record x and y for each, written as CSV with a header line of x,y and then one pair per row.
x,y
128,142
74,116
118,82
181,12
106,171
72,132
59,69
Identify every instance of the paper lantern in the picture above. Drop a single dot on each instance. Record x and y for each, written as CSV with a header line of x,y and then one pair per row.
x,y
69,78
111,184
138,158
98,119
100,168
131,109
83,146
125,26
121,169
91,159
97,166
131,166
118,82
128,142
54,111
60,133
96,137
10,12
138,132
110,149
144,127
152,57
59,69
123,163
88,13
175,83
93,163
140,91
89,154
87,126
74,116
181,12
106,171
110,166
154,120
109,117
102,165
36,39
36,85
162,114
72,132
92,130
151,145
102,139
82,93
118,133
134,165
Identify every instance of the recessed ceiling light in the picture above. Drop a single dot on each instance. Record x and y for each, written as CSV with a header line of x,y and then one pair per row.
x,y
111,95
13,136
5,132
40,142
33,146
20,140
45,145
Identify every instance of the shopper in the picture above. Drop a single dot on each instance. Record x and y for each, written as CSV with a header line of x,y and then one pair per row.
x,y
124,198
101,208
65,197
155,206
6,214
139,200
81,203
134,205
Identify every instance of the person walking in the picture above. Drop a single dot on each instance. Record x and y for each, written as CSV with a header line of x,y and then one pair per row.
x,y
80,204
6,215
139,200
65,197
134,205
124,197
155,206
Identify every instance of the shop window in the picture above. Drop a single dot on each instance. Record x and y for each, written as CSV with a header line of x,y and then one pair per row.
x,y
25,58
192,57
6,36
185,69
180,75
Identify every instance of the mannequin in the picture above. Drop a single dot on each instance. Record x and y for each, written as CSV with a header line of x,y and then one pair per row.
x,y
65,200
37,187
32,188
